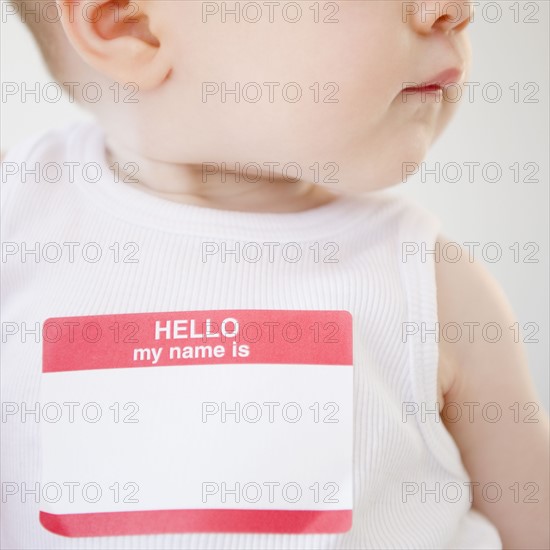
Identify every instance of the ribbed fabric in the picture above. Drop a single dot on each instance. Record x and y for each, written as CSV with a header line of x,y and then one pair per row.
x,y
369,279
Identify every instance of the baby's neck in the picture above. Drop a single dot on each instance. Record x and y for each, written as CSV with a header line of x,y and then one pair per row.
x,y
210,186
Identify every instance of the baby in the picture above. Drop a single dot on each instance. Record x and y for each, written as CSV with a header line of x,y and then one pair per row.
x,y
220,328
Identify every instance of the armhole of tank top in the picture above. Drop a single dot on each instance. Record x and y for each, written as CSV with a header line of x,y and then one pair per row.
x,y
421,227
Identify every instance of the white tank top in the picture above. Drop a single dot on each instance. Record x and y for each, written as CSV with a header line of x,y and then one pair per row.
x,y
57,188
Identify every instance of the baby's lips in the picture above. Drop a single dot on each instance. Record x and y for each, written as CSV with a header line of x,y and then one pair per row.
x,y
449,76
438,82
423,88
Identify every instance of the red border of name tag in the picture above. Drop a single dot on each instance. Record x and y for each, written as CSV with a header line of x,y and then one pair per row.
x,y
80,343
84,343
197,521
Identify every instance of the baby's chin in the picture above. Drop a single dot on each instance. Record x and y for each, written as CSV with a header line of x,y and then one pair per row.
x,y
388,167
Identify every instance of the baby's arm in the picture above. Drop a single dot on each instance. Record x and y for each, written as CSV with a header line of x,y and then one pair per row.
x,y
512,452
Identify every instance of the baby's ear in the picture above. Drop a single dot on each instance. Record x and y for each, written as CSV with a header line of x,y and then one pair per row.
x,y
115,37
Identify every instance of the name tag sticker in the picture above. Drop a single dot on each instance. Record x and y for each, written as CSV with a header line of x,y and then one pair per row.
x,y
232,421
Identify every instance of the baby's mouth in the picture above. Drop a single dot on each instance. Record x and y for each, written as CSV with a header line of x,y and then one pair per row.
x,y
436,88
436,84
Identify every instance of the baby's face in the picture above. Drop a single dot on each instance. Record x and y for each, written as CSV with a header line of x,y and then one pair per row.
x,y
323,95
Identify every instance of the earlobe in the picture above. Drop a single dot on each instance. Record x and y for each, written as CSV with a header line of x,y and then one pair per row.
x,y
114,37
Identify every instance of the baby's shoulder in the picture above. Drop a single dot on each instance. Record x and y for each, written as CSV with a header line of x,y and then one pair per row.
x,y
37,166
474,315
